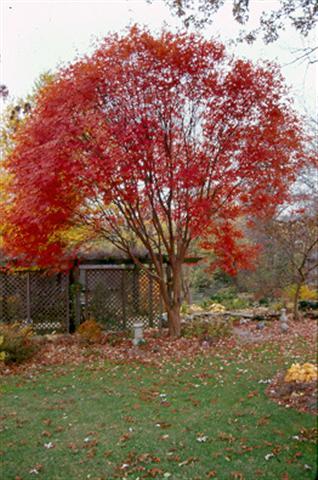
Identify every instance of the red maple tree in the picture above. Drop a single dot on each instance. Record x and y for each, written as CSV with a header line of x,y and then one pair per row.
x,y
164,140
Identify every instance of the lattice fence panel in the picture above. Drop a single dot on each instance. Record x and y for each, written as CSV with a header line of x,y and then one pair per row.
x,y
13,297
103,297
49,302
142,300
117,298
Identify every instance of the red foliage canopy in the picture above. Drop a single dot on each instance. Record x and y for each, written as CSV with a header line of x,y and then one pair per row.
x,y
162,139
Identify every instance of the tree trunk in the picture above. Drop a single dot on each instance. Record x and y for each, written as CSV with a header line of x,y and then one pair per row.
x,y
296,298
171,291
174,321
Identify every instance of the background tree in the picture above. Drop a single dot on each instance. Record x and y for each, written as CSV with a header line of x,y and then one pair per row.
x,y
4,91
298,235
290,239
302,15
13,116
272,270
15,112
163,141
296,230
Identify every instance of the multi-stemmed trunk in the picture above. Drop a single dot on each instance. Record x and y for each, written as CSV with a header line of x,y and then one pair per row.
x,y
171,291
174,321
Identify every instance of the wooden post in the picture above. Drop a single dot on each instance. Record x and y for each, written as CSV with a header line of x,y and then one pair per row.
x,y
86,294
160,310
74,292
77,306
150,300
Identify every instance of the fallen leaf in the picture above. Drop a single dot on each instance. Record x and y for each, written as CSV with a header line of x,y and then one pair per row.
x,y
252,394
202,439
237,475
268,456
49,445
211,474
188,461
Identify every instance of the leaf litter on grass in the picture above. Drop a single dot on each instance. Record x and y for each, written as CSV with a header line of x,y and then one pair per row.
x,y
216,395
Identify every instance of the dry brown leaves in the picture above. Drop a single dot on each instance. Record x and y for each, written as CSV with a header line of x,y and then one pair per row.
x,y
158,349
300,396
69,349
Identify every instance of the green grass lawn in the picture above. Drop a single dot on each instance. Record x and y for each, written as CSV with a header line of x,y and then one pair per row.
x,y
204,418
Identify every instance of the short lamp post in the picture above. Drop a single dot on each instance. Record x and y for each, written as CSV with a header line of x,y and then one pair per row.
x,y
138,333
283,321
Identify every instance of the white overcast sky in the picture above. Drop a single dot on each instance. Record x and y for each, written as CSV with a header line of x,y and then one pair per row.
x,y
41,35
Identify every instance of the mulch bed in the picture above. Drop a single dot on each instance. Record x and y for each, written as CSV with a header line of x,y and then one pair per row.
x,y
300,396
72,350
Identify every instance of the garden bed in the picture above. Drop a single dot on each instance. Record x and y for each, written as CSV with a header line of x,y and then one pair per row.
x,y
159,349
300,396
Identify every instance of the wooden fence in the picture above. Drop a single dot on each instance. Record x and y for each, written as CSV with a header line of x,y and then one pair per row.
x,y
116,296
35,298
